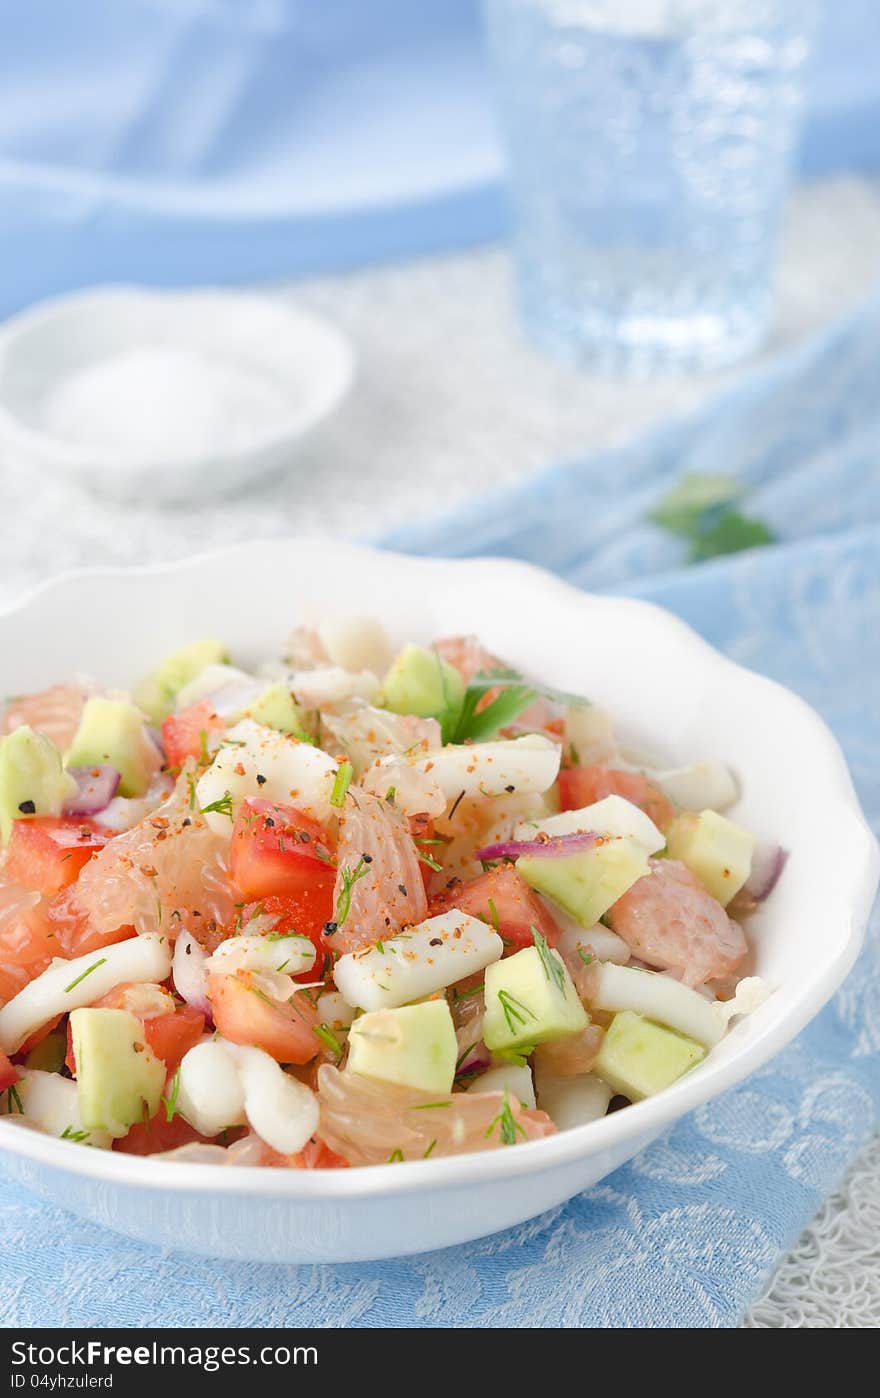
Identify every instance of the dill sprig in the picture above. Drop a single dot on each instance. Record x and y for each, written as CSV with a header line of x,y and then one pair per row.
x,y
341,784
87,972
515,1012
170,1102
349,879
507,1123
553,969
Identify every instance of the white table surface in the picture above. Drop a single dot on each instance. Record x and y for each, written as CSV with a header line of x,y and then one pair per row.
x,y
449,400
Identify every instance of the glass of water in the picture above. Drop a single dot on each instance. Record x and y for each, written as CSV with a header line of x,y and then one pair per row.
x,y
649,145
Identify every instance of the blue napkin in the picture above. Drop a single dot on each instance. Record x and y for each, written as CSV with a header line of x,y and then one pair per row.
x,y
235,140
685,1234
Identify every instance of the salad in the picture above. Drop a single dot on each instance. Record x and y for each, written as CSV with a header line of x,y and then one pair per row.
x,y
354,908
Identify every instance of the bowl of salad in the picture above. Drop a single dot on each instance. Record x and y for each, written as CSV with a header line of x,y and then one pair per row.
x,y
353,905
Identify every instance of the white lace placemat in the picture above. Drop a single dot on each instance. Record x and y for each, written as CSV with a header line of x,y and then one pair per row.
x,y
449,400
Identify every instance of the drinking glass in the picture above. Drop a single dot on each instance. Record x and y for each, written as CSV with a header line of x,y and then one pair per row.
x,y
650,145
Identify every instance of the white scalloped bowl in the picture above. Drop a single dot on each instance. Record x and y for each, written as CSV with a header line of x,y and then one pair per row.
x,y
668,691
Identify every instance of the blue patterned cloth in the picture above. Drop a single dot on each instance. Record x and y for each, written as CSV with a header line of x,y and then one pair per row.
x,y
685,1234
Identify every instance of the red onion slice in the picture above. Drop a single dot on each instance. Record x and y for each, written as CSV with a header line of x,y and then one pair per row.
x,y
475,1060
96,788
768,862
189,973
549,845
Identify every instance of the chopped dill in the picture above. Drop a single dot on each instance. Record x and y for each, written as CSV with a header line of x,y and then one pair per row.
x,y
87,972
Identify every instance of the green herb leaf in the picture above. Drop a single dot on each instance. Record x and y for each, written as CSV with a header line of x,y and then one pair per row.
x,y
507,1123
170,1102
87,972
70,1133
349,879
328,1039
341,784
682,508
515,1012
14,1101
396,1157
702,510
731,532
222,806
553,969
585,956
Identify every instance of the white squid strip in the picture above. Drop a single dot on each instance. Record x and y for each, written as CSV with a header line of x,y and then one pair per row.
x,y
699,786
521,765
356,643
409,966
600,942
513,1078
250,952
331,685
749,996
296,774
230,690
282,1110
334,1010
572,1102
210,1094
71,985
51,1105
660,998
611,816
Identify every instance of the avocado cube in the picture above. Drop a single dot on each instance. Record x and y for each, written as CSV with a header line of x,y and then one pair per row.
x,y
119,1079
587,884
639,1057
276,708
414,1045
112,731
157,692
32,779
419,682
530,998
718,851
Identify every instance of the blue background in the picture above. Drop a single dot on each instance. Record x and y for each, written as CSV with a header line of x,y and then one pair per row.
x,y
174,141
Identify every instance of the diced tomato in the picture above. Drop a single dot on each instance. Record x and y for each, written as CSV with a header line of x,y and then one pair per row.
x,y
171,1036
8,1072
306,915
189,733
150,1137
244,1015
502,898
48,853
70,1057
315,1155
582,786
70,927
274,852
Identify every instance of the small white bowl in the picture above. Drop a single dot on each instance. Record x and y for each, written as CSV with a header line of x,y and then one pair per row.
x,y
297,362
698,704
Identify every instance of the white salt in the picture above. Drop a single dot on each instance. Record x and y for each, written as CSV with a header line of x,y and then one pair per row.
x,y
165,405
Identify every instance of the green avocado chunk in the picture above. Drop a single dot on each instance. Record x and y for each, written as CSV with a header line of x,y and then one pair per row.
x,y
112,731
587,884
530,999
157,692
119,1079
414,1045
419,682
32,779
639,1057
